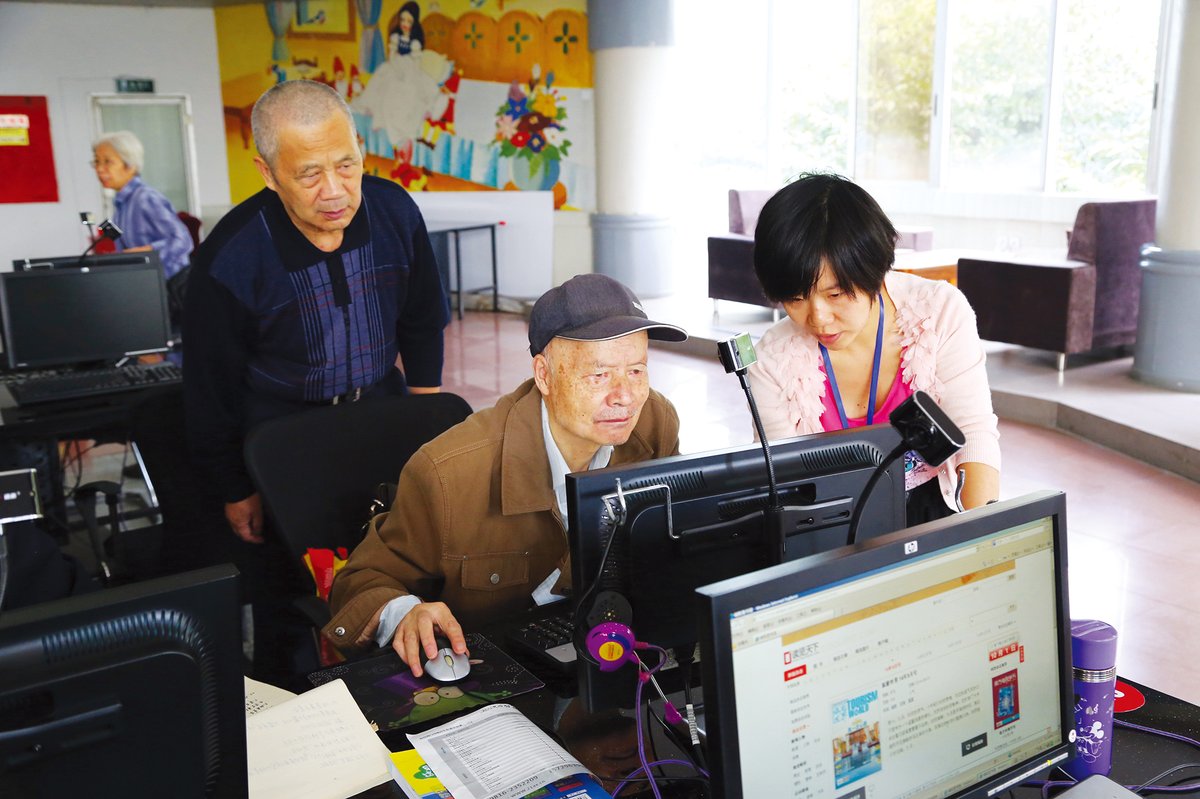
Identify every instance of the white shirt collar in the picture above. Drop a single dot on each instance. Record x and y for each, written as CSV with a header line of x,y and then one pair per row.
x,y
558,464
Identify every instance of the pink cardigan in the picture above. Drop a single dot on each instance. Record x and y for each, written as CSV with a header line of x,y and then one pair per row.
x,y
941,355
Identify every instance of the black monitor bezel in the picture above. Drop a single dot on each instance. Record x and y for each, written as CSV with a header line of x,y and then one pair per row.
x,y
799,460
148,262
829,568
64,639
103,259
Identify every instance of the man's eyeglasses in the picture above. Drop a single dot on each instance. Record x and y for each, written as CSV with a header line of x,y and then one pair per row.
x,y
107,162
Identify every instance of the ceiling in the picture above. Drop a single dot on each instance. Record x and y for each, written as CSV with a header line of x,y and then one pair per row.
x,y
146,3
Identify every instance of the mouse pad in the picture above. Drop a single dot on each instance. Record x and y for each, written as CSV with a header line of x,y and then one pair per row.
x,y
391,697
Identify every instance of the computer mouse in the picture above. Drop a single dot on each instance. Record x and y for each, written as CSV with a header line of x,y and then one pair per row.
x,y
447,665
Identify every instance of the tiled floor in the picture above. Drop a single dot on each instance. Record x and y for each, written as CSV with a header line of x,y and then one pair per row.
x,y
1133,527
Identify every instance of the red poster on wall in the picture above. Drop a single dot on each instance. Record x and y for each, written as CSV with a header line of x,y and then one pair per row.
x,y
26,154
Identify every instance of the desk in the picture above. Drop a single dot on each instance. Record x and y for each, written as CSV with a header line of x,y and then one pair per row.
x,y
1138,756
454,229
604,742
108,415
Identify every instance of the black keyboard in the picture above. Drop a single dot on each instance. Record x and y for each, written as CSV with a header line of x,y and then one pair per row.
x,y
548,640
32,390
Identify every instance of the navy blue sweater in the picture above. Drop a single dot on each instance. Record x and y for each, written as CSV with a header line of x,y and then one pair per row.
x,y
268,314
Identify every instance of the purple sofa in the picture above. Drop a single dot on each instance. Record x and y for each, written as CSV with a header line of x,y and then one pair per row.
x,y
1084,301
731,255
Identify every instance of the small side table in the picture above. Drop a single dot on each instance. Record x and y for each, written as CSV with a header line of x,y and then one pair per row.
x,y
454,229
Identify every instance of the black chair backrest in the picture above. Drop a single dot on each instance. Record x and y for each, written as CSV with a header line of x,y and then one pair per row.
x,y
317,471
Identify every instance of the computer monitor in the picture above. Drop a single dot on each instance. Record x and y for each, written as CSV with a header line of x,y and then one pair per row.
x,y
89,261
57,317
130,691
691,520
933,662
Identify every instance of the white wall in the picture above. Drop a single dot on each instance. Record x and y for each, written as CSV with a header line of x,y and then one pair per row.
x,y
65,52
524,240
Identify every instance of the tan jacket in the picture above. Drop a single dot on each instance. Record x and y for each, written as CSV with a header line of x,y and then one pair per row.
x,y
475,523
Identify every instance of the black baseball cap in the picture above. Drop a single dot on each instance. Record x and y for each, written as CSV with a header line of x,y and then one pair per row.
x,y
592,307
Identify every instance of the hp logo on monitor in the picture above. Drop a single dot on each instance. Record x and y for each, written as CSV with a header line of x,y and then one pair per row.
x,y
910,547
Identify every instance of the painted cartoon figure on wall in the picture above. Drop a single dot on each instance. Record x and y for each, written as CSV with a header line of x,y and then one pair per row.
x,y
404,92
424,80
405,34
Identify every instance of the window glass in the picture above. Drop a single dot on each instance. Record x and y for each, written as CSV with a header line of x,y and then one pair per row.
x,y
813,70
1109,55
999,59
895,88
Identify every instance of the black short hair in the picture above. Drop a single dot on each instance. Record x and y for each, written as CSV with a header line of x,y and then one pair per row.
x,y
822,218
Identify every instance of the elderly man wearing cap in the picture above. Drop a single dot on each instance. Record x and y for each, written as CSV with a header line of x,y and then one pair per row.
x,y
477,530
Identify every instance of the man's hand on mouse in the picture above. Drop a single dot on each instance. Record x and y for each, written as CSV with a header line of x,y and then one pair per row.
x,y
414,639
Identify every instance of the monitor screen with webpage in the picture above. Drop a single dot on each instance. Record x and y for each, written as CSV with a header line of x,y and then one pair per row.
x,y
60,317
933,662
690,520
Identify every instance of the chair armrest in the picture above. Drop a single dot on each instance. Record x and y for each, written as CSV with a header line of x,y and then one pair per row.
x,y
731,270
313,608
1049,305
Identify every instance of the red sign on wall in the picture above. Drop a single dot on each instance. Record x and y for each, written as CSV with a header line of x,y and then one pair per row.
x,y
26,154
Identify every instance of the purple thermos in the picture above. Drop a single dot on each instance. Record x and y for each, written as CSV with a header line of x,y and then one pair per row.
x,y
1094,656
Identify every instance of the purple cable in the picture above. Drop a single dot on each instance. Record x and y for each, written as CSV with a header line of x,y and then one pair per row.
x,y
668,762
1152,731
637,705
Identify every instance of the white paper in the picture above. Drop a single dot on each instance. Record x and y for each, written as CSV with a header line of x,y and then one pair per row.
x,y
261,696
316,746
494,753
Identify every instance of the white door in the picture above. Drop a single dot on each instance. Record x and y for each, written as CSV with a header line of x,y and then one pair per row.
x,y
164,124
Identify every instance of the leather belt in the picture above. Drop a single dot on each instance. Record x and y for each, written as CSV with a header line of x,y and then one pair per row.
x,y
354,395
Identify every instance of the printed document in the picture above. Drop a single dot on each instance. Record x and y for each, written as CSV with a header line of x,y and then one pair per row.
x,y
494,753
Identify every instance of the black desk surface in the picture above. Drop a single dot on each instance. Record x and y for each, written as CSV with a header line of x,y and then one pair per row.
x,y
1138,756
606,743
73,417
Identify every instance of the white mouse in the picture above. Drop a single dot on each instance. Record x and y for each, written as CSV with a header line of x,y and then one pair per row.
x,y
447,665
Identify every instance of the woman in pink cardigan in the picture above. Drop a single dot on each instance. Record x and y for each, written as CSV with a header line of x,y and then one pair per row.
x,y
859,338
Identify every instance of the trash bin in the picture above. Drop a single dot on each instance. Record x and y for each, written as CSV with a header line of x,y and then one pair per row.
x,y
1166,352
634,249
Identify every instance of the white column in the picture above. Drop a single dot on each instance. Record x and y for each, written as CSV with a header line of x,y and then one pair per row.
x,y
1178,223
631,229
1165,353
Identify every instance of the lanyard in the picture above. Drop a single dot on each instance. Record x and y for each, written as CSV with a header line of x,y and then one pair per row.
x,y
837,396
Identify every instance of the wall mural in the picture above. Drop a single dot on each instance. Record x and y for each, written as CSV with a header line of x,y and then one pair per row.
x,y
456,95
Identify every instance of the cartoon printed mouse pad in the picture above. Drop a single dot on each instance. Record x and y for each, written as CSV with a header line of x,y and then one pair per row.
x,y
391,698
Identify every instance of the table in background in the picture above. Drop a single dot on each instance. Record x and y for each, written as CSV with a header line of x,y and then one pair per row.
x,y
454,229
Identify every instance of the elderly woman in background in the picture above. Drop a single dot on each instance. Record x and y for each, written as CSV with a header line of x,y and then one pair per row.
x,y
146,218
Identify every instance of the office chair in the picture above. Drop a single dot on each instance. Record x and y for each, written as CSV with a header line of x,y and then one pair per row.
x,y
194,227
318,471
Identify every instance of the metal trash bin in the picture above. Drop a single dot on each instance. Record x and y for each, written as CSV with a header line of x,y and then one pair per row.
x,y
634,249
1167,351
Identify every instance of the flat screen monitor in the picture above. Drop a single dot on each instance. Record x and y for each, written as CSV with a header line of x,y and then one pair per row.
x,y
91,260
130,691
57,317
691,520
933,662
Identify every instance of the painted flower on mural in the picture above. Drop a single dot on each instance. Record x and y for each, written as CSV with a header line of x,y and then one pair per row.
x,y
531,122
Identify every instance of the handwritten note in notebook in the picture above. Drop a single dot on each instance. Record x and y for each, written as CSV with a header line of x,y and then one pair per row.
x,y
262,696
316,746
